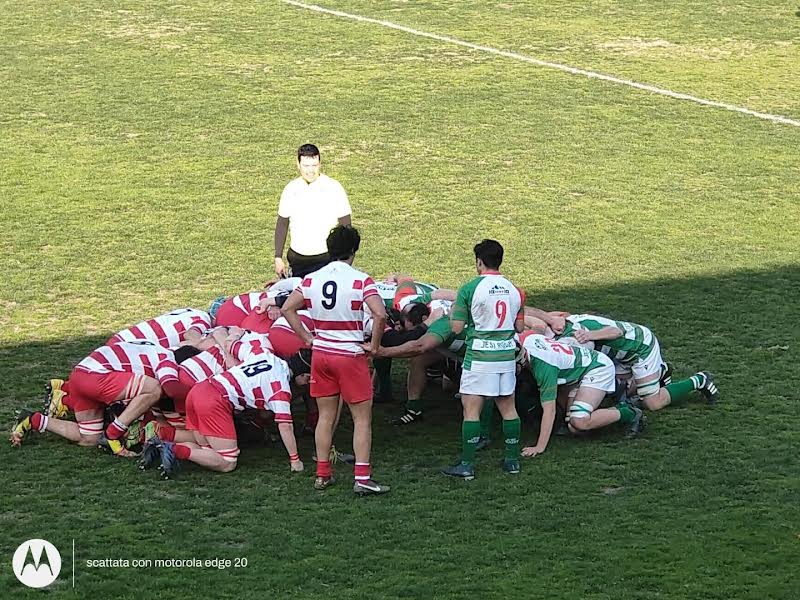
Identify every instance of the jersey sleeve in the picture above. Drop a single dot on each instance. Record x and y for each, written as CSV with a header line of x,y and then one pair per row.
x,y
440,328
166,369
341,202
280,399
522,298
369,288
285,204
547,379
460,310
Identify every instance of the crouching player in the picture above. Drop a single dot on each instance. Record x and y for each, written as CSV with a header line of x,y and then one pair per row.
x,y
263,383
177,328
134,373
635,348
554,363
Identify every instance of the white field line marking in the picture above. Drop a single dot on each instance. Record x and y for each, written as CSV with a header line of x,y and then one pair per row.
x,y
548,64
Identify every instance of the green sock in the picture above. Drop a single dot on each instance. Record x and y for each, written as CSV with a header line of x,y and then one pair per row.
x,y
415,405
681,389
626,413
487,413
511,433
470,434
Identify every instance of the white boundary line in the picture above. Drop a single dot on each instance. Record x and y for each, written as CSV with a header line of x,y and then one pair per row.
x,y
549,65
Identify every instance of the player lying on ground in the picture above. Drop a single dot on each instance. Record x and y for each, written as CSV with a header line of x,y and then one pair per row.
x,y
134,373
560,368
263,383
634,347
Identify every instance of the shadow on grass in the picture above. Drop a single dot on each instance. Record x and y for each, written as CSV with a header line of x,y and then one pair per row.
x,y
744,322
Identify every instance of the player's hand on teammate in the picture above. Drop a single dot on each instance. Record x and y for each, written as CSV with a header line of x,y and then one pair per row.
x,y
531,451
264,305
582,336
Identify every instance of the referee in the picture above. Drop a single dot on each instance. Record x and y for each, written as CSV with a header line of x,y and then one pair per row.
x,y
311,205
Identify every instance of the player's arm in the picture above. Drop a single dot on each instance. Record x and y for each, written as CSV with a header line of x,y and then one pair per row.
x,y
519,320
281,231
410,349
555,320
459,313
376,305
449,295
595,332
295,302
547,379
393,338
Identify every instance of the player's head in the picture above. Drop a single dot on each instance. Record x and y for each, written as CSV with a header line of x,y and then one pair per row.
x,y
184,352
308,162
300,366
415,315
343,242
488,255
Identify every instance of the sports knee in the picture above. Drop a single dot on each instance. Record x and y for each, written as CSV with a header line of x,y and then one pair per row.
x,y
579,414
228,466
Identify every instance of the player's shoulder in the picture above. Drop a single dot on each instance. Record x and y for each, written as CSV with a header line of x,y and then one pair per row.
x,y
330,182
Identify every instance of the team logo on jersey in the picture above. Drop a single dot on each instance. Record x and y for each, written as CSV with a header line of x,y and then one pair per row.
x,y
497,290
36,563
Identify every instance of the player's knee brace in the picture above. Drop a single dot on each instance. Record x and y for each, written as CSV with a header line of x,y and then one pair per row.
x,y
648,389
578,412
91,428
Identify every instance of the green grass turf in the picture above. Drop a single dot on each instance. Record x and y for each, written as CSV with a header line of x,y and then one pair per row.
x,y
144,147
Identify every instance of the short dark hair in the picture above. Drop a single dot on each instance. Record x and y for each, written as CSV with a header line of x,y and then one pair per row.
x,y
490,252
307,150
417,313
343,242
184,352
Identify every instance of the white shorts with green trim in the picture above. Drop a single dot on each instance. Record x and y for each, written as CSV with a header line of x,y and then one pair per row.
x,y
649,366
487,384
601,377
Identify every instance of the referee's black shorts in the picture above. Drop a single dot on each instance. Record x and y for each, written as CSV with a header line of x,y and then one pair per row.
x,y
301,264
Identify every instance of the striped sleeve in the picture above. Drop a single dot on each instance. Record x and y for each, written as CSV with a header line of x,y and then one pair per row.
x,y
166,370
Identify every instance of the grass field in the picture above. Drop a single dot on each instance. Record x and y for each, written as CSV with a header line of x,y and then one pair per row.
x,y
143,148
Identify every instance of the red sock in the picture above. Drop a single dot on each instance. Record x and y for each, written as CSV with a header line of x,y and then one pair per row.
x,y
362,471
38,421
312,418
324,468
116,430
182,452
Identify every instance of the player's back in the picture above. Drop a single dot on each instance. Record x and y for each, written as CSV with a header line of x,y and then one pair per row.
x,y
167,330
334,298
141,357
263,379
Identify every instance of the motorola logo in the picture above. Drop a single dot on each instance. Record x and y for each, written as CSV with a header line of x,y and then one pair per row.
x,y
36,563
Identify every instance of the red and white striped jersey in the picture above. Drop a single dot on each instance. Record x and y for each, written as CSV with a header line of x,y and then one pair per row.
x,y
204,365
140,358
305,318
248,302
249,345
334,297
168,330
260,383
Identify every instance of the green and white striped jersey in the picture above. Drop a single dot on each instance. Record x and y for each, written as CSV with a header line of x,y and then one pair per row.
x,y
636,342
554,364
489,305
449,340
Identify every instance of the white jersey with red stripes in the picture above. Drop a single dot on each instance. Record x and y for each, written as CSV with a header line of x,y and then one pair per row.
x,y
248,302
283,286
262,383
204,365
334,297
141,357
168,330
249,345
305,319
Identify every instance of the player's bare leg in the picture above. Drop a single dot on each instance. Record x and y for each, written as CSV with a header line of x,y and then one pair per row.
x,y
362,446
220,456
585,416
